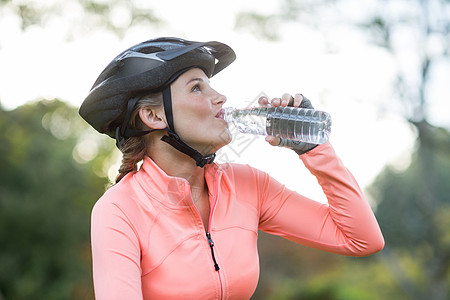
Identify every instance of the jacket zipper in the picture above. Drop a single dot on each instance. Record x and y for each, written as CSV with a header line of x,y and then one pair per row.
x,y
211,245
208,234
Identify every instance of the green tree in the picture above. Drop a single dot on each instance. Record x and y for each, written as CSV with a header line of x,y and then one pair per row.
x,y
46,194
412,205
414,213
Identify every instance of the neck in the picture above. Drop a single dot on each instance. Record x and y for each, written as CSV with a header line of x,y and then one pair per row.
x,y
176,163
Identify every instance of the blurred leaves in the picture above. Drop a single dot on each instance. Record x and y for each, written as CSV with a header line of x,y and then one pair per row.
x,y
414,212
415,33
268,25
114,15
413,205
419,31
45,203
380,31
290,271
263,26
53,168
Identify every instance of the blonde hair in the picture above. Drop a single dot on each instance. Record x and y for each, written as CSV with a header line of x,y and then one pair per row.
x,y
134,148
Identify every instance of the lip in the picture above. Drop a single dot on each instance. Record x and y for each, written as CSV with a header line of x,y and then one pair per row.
x,y
221,114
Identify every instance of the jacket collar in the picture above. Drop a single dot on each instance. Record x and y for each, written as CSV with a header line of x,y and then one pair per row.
x,y
170,190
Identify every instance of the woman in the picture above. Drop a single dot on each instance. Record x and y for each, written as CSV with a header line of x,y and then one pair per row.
x,y
181,226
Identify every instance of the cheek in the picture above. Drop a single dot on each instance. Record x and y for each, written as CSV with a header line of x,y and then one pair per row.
x,y
189,119
190,111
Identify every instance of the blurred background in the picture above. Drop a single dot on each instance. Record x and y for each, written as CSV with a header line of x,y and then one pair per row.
x,y
380,68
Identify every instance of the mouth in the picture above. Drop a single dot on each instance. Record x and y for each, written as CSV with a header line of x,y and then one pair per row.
x,y
221,114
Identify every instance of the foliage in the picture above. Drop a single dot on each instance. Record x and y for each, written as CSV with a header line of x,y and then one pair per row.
x,y
420,33
415,263
414,213
290,271
413,205
267,25
45,202
52,171
114,15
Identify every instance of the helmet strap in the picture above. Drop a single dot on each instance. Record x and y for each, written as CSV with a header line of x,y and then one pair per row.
x,y
167,101
123,132
174,140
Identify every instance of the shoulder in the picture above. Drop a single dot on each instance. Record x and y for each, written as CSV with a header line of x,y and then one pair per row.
x,y
240,170
244,175
121,201
118,194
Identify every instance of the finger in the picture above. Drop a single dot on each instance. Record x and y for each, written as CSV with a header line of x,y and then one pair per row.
x,y
286,99
275,102
263,101
297,100
274,141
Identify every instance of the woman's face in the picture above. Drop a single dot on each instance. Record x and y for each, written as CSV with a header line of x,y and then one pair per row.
x,y
197,112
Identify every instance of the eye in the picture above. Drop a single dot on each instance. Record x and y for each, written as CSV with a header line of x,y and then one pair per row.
x,y
196,88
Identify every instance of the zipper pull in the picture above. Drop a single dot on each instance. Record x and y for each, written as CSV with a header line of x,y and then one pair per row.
x,y
210,241
211,245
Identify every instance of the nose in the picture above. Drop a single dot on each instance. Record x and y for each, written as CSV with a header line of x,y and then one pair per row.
x,y
219,99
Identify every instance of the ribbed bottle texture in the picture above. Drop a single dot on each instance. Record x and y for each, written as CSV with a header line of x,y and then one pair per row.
x,y
301,124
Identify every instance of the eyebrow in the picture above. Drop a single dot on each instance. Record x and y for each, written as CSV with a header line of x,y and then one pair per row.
x,y
196,79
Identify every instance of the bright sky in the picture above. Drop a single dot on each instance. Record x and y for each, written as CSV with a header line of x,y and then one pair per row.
x,y
339,71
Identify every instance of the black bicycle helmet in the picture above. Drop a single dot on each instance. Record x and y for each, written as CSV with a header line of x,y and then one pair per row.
x,y
150,66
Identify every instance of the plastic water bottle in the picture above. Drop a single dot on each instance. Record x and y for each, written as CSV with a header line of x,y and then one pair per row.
x,y
301,124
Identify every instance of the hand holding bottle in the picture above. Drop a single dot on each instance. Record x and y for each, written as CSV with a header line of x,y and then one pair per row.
x,y
287,100
287,122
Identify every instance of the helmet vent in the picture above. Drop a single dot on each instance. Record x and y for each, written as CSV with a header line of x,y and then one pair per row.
x,y
148,50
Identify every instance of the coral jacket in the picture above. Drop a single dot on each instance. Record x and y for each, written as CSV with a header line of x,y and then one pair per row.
x,y
149,241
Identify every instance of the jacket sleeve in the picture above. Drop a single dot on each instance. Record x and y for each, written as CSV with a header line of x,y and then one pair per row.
x,y
346,225
115,253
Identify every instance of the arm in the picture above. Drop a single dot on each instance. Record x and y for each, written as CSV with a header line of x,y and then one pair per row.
x,y
345,226
115,254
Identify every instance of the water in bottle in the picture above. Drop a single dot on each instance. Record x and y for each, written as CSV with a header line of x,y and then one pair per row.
x,y
301,124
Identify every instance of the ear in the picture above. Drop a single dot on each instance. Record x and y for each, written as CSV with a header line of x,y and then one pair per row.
x,y
152,118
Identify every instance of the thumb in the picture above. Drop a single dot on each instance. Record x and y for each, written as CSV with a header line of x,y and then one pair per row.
x,y
274,141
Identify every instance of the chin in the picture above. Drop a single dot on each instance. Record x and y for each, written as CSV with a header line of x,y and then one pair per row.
x,y
225,137
219,142
212,141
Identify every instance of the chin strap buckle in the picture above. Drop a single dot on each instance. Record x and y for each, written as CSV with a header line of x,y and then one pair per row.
x,y
205,160
174,140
